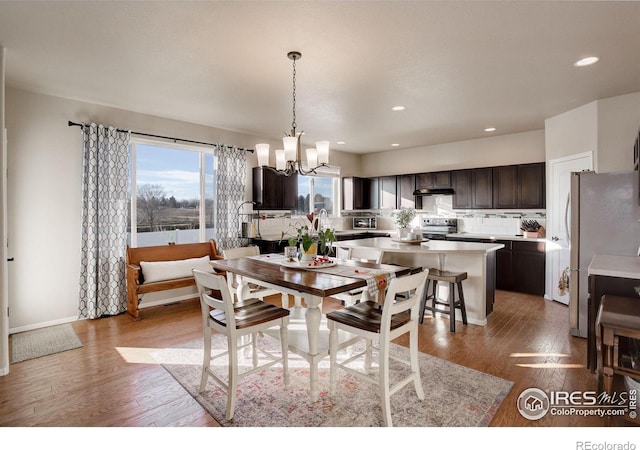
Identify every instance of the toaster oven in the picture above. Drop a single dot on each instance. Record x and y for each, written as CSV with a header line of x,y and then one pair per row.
x,y
364,223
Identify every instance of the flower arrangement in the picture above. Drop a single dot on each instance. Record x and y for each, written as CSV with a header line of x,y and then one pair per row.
x,y
307,234
404,217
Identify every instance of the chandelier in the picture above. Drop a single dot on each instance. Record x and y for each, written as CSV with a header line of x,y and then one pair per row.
x,y
288,160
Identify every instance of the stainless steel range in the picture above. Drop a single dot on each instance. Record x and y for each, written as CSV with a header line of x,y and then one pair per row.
x,y
437,228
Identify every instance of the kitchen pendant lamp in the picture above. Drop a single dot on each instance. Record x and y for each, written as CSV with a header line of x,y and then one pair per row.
x,y
288,159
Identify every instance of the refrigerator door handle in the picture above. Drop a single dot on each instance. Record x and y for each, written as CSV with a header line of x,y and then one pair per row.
x,y
566,217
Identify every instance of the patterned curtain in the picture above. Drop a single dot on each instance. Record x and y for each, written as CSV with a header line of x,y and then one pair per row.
x,y
230,187
105,181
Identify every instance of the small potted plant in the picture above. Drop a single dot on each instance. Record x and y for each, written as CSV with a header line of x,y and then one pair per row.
x,y
404,217
311,238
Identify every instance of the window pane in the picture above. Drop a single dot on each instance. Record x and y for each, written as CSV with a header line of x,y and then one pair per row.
x,y
323,194
167,195
304,194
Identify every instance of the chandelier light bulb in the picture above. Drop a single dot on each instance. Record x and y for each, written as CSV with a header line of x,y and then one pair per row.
x,y
262,152
323,152
312,157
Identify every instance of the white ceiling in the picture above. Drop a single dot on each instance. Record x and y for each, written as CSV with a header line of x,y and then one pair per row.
x,y
457,66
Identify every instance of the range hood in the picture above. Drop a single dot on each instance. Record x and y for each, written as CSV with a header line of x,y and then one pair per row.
x,y
433,191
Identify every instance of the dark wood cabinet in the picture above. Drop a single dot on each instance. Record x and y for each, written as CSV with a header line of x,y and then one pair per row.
x,y
482,188
273,191
406,188
520,265
504,267
461,181
519,186
473,188
433,180
531,186
528,267
505,187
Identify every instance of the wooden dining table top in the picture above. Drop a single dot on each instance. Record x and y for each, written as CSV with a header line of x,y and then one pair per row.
x,y
309,281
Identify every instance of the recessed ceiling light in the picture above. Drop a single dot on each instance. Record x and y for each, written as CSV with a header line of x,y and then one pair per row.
x,y
341,142
490,129
398,108
586,61
395,145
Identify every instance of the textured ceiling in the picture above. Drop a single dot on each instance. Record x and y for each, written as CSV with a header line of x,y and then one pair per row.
x,y
458,67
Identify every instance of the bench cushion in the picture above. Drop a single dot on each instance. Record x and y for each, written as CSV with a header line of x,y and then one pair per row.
x,y
153,271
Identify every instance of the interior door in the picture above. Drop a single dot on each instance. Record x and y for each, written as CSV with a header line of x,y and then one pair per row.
x,y
559,222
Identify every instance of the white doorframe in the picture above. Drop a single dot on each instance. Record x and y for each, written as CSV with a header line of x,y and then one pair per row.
x,y
585,162
4,279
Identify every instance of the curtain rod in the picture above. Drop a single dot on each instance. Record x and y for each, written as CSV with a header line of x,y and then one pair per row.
x,y
250,150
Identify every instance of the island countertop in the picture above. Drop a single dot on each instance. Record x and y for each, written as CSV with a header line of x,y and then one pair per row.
x,y
431,246
476,259
615,266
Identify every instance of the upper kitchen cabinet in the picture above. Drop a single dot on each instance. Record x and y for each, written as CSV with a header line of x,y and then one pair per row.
x,y
388,189
519,186
531,186
433,180
356,193
473,188
273,191
406,187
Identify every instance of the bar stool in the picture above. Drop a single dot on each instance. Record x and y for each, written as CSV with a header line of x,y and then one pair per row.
x,y
454,279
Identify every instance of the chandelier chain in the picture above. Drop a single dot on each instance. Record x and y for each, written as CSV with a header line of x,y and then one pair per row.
x,y
293,123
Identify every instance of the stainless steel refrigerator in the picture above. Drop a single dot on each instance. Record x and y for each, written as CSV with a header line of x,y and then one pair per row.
x,y
604,214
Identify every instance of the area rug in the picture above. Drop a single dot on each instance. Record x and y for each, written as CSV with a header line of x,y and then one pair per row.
x,y
456,396
43,341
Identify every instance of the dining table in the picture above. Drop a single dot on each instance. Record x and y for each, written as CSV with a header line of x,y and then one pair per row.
x,y
309,284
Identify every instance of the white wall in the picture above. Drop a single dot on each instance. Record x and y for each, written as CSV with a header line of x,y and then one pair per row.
x,y
605,127
572,132
508,149
618,122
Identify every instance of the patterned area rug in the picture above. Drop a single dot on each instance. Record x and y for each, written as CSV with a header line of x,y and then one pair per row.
x,y
43,341
456,396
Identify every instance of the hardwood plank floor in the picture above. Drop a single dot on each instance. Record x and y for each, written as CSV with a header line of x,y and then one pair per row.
x,y
111,381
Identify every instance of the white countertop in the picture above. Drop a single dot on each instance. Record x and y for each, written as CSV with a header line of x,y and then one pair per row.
x,y
434,246
504,237
615,266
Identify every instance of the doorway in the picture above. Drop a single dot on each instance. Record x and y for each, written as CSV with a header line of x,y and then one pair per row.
x,y
558,221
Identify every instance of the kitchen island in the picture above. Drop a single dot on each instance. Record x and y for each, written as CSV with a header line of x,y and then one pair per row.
x,y
477,259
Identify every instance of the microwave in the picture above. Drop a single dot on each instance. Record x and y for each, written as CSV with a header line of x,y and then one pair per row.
x,y
364,223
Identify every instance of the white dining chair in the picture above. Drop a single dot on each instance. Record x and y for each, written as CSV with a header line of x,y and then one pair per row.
x,y
382,323
373,255
237,320
254,290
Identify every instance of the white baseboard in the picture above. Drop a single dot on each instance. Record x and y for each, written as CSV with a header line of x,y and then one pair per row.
x,y
35,326
166,301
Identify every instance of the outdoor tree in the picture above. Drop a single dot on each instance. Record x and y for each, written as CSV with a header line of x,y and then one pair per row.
x,y
149,201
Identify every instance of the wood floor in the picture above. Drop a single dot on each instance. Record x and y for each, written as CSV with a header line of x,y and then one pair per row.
x,y
111,381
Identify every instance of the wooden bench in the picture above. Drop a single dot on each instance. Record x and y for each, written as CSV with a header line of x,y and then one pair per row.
x,y
136,285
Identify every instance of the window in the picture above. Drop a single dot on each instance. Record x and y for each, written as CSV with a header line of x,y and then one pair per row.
x,y
320,191
174,197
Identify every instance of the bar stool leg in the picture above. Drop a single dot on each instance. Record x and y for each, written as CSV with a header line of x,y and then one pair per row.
x,y
452,307
434,294
463,308
425,299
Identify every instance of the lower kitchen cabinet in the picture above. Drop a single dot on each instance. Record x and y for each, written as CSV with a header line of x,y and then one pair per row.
x,y
528,262
520,265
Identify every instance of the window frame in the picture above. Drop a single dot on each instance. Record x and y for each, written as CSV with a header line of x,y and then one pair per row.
x,y
202,151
